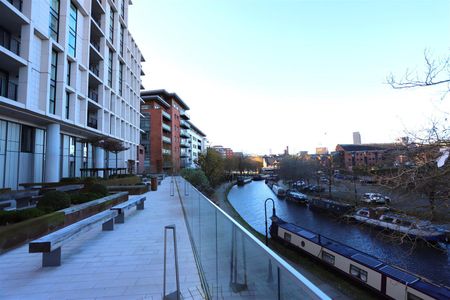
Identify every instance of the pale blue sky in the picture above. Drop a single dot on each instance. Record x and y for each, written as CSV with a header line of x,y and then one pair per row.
x,y
259,75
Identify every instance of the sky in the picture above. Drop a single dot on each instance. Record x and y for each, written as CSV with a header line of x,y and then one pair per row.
x,y
260,75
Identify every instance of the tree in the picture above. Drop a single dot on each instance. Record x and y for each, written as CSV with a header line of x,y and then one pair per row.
x,y
294,168
437,72
212,164
420,171
113,146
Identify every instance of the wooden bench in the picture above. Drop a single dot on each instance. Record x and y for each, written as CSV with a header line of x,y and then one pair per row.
x,y
120,208
50,244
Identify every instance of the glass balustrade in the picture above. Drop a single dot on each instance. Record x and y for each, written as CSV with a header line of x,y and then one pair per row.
x,y
233,263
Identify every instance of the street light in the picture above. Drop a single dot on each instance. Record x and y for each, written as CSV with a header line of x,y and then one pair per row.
x,y
265,214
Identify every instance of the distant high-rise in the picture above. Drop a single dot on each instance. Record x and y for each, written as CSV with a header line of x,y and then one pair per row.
x,y
356,138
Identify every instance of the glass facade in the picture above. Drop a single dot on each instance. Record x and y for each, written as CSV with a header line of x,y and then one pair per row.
x,y
21,154
72,30
232,261
53,72
54,19
122,31
75,154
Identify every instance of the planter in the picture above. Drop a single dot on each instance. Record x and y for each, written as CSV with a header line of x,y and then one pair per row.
x,y
15,235
131,189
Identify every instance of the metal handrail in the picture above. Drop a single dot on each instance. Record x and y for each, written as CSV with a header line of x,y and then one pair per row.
x,y
176,294
310,288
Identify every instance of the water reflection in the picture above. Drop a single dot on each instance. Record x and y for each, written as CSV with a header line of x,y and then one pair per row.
x,y
249,199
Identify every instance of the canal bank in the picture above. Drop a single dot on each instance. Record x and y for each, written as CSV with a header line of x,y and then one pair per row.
x,y
327,280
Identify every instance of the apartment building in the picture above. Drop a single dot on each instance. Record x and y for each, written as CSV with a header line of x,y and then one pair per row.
x,y
69,73
197,145
165,135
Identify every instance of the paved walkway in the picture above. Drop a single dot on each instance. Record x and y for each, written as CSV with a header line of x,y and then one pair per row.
x,y
126,263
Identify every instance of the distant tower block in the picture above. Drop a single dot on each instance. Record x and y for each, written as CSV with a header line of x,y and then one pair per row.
x,y
356,138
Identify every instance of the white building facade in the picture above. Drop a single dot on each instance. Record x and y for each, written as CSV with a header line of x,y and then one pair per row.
x,y
69,73
197,145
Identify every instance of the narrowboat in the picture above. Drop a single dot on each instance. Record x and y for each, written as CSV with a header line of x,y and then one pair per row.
x,y
330,206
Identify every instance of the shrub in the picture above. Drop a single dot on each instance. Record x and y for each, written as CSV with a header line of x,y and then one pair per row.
x,y
88,181
53,201
16,216
196,177
70,180
83,197
98,188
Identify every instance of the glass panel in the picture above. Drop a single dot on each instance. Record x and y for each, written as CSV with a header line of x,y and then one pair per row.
x,y
3,125
12,155
233,263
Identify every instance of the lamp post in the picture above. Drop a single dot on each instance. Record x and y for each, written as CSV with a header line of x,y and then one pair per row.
x,y
265,214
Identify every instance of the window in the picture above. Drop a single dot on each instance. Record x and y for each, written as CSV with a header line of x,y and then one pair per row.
x,y
358,273
72,30
120,79
287,236
111,24
53,71
110,62
69,66
54,19
413,297
122,8
27,139
121,40
328,257
67,105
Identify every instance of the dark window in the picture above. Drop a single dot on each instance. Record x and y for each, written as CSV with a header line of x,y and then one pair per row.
x,y
69,66
27,139
111,25
121,40
67,105
358,273
120,79
413,297
53,71
54,19
72,30
287,236
110,62
328,257
122,8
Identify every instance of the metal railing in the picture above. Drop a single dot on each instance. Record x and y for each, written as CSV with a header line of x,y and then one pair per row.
x,y
176,294
93,94
94,68
231,261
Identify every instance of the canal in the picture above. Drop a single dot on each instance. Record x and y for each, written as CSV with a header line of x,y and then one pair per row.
x,y
431,263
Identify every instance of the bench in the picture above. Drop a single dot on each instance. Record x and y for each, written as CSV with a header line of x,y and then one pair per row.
x,y
50,244
120,208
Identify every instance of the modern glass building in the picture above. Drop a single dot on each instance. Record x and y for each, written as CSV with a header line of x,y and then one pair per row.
x,y
70,72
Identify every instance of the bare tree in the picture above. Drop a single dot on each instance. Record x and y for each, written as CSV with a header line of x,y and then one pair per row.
x,y
437,72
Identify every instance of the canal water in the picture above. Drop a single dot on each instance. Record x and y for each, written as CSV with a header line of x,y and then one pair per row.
x,y
431,263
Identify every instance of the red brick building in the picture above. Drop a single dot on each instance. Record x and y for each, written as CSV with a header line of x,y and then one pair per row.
x,y
362,155
165,125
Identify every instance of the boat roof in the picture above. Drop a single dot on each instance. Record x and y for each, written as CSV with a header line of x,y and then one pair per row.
x,y
331,202
300,231
398,274
433,290
367,260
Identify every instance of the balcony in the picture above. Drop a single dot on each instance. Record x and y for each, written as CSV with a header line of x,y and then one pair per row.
x,y
232,260
166,152
94,68
93,94
16,3
92,122
184,133
184,115
9,41
8,89
184,143
184,154
166,127
166,115
184,124
167,140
